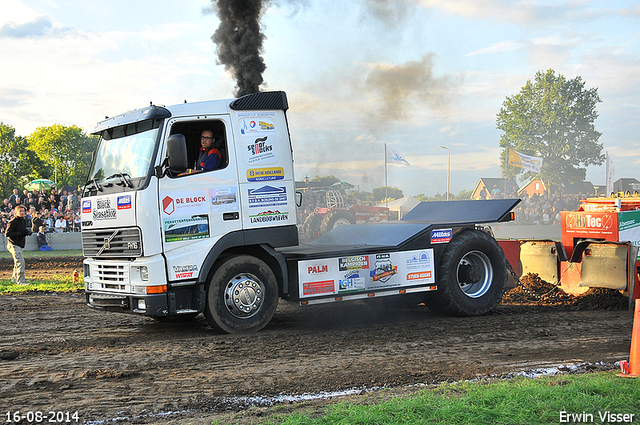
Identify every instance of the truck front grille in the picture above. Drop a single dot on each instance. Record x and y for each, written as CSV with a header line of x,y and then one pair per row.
x,y
110,276
112,243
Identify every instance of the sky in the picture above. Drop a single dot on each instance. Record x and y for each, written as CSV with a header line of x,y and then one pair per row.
x,y
418,75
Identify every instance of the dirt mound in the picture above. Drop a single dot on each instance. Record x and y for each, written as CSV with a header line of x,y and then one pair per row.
x,y
533,290
602,299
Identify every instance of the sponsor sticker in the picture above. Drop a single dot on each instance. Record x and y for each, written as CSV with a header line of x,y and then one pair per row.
x,y
186,203
582,220
261,149
269,217
256,125
104,211
419,275
351,282
265,174
184,272
419,260
223,199
124,202
353,263
186,228
318,288
441,235
86,206
384,269
316,269
267,196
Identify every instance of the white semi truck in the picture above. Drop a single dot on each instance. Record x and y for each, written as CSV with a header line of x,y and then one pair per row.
x,y
164,242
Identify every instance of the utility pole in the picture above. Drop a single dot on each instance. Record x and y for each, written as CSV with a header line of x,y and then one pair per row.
x,y
448,168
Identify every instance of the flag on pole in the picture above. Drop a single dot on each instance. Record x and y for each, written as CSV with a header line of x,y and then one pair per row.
x,y
610,171
529,163
394,157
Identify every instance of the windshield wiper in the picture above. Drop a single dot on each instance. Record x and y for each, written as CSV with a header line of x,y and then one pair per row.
x,y
89,185
125,179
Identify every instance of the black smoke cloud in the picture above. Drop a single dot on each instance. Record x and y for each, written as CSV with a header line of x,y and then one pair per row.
x,y
401,87
239,42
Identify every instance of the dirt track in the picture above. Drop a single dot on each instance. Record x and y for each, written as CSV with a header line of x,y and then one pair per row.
x,y
59,355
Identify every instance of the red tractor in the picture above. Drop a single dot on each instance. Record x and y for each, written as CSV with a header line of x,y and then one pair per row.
x,y
335,214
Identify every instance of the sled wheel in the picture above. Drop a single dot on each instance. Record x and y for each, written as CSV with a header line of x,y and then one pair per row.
x,y
471,276
335,219
242,295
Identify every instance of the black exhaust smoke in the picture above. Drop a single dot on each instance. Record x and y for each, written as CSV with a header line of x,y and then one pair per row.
x,y
239,42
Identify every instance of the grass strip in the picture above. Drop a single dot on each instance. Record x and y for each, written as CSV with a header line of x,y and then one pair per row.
x,y
55,284
592,398
45,254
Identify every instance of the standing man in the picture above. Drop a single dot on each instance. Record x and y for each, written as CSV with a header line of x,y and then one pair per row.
x,y
16,233
14,196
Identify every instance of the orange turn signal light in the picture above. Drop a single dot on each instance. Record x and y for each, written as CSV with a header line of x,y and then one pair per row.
x,y
158,289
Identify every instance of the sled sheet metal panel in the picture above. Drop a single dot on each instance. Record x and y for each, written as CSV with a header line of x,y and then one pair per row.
x,y
384,234
358,239
462,212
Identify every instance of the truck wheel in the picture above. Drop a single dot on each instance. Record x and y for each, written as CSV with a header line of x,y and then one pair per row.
x,y
471,276
310,225
242,295
335,219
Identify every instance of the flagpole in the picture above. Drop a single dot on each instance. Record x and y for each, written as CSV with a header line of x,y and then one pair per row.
x,y
606,174
386,203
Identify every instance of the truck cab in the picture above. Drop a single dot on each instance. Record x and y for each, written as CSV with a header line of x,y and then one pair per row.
x,y
153,228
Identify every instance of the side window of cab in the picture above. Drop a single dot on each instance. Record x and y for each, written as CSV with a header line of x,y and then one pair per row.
x,y
206,144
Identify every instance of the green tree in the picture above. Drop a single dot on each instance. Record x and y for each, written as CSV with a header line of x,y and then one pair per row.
x,y
326,180
552,118
18,163
461,196
391,193
66,149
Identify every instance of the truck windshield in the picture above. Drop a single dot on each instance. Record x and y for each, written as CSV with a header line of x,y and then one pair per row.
x,y
128,155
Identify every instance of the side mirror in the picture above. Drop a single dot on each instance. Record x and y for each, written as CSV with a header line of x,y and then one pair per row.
x,y
299,199
177,154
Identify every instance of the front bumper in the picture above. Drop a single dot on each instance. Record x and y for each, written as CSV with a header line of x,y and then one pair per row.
x,y
176,301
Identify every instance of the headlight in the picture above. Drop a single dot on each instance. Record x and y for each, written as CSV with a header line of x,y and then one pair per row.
x,y
144,273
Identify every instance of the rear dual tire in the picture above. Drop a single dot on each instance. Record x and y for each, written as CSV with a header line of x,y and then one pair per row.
x,y
471,276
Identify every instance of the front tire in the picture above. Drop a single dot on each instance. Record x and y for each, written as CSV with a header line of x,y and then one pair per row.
x,y
242,295
472,276
335,219
310,225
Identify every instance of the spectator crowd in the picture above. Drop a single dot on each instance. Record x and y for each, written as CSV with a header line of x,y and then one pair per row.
x,y
541,209
55,211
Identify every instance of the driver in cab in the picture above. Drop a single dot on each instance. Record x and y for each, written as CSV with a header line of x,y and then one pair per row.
x,y
209,158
